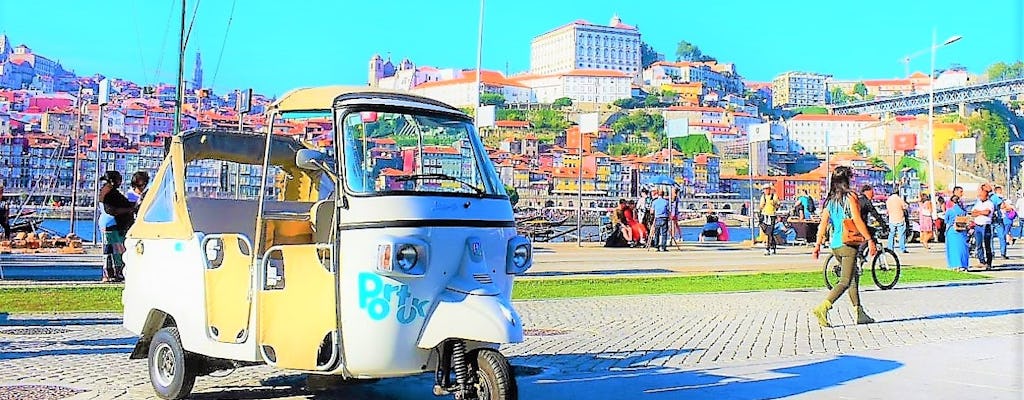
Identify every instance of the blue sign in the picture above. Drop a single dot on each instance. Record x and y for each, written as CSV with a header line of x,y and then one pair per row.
x,y
379,298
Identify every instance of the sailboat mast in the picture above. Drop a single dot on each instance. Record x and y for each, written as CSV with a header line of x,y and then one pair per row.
x,y
180,94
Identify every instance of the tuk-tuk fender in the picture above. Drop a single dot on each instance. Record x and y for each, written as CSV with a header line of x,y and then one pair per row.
x,y
488,319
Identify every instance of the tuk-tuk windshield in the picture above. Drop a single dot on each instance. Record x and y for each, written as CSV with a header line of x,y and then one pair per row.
x,y
395,153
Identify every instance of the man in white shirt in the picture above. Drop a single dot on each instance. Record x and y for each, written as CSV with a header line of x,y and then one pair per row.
x,y
896,207
982,213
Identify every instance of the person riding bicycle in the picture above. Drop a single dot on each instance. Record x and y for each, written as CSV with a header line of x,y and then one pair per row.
x,y
868,210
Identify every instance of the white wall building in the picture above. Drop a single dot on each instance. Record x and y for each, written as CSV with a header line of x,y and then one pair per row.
x,y
582,85
810,131
461,91
583,45
714,76
797,89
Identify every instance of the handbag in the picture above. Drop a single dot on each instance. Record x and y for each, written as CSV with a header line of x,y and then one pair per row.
x,y
962,223
851,235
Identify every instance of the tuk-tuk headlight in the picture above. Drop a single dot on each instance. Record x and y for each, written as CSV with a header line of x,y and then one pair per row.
x,y
519,257
407,257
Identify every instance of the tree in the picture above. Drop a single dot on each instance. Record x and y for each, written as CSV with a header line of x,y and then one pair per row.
x,y
686,51
878,162
860,89
513,195
562,102
548,120
627,103
510,115
492,99
1001,70
620,149
838,96
860,148
652,101
811,110
693,144
648,55
993,132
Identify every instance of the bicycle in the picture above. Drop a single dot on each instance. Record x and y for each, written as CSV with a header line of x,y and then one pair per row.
x,y
885,266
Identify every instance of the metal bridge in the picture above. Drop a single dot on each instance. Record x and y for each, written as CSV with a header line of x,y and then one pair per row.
x,y
943,97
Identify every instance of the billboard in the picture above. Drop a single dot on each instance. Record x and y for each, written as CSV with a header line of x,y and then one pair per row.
x,y
762,133
1015,155
965,146
590,123
485,116
905,141
677,127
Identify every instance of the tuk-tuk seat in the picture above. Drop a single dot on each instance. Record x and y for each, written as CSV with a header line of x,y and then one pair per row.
x,y
322,218
210,215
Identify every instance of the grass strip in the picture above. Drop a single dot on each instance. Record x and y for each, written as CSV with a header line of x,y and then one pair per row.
x,y
536,289
108,298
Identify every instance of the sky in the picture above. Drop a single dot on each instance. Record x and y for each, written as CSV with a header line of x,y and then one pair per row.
x,y
274,46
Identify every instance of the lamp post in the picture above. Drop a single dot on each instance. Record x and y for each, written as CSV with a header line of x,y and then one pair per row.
x,y
931,114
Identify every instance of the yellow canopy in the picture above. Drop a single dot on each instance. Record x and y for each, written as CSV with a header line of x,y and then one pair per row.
x,y
319,98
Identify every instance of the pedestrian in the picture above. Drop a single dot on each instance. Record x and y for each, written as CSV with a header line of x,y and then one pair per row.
x,y
1019,207
982,213
896,207
138,187
711,230
660,211
675,210
638,230
123,212
999,226
958,255
924,219
621,222
939,228
769,206
869,212
841,216
5,219
744,209
807,203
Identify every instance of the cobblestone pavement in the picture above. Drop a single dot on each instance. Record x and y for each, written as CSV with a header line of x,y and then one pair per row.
x,y
617,347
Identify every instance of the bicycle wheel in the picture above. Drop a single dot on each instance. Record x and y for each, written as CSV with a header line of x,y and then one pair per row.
x,y
885,269
832,271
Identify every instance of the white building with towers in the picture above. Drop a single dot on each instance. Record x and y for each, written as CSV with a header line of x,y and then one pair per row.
x,y
584,45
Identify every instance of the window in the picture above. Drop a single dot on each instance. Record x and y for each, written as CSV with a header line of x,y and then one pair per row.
x,y
162,208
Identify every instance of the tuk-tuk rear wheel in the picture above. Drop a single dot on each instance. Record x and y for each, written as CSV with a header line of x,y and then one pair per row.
x,y
494,377
172,371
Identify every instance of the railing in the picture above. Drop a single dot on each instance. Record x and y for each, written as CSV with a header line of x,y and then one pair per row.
x,y
943,97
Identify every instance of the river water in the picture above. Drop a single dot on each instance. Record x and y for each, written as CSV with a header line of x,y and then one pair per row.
x,y
690,233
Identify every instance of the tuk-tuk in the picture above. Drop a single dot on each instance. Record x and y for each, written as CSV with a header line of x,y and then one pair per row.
x,y
390,254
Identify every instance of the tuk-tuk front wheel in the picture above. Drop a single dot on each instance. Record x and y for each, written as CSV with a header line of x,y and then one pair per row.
x,y
494,377
172,371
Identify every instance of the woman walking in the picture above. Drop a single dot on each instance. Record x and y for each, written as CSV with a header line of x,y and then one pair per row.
x,y
116,205
841,204
924,219
958,256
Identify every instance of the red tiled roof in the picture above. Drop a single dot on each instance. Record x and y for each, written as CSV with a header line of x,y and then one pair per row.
x,y
835,118
887,82
440,150
595,72
492,78
512,124
696,108
392,172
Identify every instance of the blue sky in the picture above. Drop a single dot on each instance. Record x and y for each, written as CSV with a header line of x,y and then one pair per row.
x,y
277,45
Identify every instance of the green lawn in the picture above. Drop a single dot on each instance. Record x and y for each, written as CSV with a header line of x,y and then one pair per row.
x,y
108,298
560,288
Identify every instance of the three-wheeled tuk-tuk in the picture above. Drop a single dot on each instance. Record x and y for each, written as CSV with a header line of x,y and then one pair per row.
x,y
390,252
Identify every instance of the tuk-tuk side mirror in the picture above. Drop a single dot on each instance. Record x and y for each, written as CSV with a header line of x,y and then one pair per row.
x,y
310,159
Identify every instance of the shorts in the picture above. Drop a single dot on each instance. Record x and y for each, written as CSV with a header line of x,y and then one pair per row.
x,y
114,241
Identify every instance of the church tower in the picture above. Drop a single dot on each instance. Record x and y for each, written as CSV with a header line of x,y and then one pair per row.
x,y
376,70
197,73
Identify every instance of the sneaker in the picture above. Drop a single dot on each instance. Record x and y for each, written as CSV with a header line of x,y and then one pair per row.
x,y
767,252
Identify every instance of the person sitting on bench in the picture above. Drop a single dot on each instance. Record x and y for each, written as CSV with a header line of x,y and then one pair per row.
x,y
711,229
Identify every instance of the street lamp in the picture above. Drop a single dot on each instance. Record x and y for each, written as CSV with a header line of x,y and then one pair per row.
x,y
931,114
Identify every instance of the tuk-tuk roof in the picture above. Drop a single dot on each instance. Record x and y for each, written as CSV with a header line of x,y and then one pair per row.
x,y
239,147
323,98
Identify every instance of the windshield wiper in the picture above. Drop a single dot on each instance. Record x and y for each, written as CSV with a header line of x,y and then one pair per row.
x,y
443,177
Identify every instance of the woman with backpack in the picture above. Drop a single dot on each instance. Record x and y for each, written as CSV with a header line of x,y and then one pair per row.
x,y
843,225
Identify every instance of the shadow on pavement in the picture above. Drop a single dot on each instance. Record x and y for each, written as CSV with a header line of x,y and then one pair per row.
x,y
962,314
631,377
947,285
5,320
23,349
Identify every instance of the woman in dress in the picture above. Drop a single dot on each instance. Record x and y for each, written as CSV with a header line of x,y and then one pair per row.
x,y
841,204
958,256
639,231
924,219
